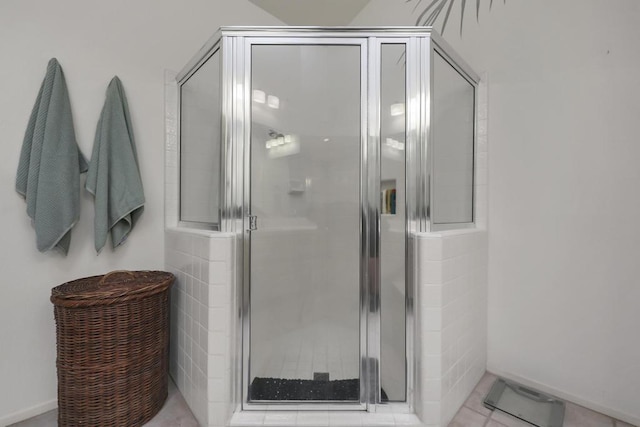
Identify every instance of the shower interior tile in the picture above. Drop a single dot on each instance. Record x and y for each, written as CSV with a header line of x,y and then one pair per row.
x,y
289,375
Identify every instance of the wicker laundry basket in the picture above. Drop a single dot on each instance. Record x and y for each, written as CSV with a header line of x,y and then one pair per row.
x,y
113,344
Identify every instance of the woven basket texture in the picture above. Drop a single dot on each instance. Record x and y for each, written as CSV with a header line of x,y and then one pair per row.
x,y
112,348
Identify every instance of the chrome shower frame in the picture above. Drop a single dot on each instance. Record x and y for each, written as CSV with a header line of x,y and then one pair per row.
x,y
234,44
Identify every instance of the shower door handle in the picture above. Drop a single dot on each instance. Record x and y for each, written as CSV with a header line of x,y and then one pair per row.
x,y
253,223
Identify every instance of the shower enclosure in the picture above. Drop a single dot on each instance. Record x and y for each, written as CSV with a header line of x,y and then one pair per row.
x,y
324,151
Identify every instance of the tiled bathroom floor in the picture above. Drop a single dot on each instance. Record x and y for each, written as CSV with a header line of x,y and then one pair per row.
x,y
176,413
474,414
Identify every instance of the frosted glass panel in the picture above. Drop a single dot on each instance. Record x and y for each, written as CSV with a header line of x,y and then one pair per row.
x,y
452,145
392,223
200,144
305,193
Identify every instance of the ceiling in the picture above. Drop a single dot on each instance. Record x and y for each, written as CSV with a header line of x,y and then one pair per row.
x,y
313,12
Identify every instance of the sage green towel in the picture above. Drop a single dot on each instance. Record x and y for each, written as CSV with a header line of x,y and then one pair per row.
x,y
113,177
50,165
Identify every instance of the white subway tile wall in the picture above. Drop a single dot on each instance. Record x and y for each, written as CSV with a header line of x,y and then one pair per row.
x,y
452,300
200,361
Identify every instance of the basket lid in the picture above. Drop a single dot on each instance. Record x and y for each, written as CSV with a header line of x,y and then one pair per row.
x,y
112,285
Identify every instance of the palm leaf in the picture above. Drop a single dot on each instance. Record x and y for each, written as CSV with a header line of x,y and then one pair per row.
x,y
446,17
430,14
417,4
438,11
431,19
464,3
427,9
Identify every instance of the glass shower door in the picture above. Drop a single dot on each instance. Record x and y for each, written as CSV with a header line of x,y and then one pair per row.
x,y
305,205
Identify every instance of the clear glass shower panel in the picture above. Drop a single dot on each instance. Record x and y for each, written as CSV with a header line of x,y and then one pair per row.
x,y
305,196
393,381
200,144
452,148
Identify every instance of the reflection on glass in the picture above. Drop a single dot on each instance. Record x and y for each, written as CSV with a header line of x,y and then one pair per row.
x,y
452,148
305,192
392,224
200,144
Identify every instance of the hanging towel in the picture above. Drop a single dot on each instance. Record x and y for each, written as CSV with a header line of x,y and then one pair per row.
x,y
50,165
113,177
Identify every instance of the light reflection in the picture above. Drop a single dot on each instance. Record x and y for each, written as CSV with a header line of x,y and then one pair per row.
x,y
397,109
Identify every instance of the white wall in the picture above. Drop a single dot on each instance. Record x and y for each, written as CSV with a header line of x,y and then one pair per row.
x,y
564,102
93,41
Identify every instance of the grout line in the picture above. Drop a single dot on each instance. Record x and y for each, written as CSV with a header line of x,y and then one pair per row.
x,y
473,410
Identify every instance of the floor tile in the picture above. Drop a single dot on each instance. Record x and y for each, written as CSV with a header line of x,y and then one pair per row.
x,y
619,423
485,383
507,420
467,418
174,413
494,423
48,419
475,402
577,416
